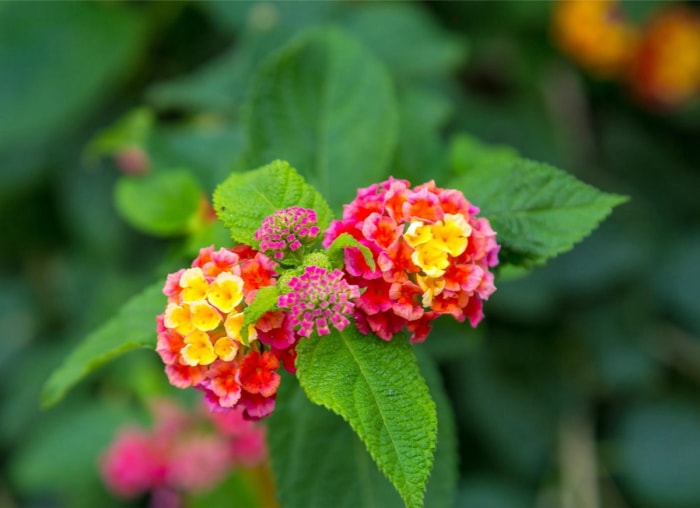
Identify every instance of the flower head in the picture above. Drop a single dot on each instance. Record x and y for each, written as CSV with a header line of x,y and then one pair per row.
x,y
595,34
287,230
200,333
432,256
666,67
180,454
319,299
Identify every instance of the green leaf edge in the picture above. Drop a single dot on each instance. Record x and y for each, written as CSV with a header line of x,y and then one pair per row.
x,y
319,204
55,387
258,307
336,250
410,503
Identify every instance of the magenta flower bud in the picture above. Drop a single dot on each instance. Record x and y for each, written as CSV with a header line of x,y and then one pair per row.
x,y
319,299
287,230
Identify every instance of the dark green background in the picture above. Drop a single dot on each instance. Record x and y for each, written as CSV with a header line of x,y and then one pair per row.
x,y
587,367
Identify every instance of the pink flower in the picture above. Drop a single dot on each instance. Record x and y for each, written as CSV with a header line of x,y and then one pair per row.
x,y
199,462
132,465
287,230
319,299
432,256
181,454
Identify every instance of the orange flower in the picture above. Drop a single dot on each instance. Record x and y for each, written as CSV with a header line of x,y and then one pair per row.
x,y
666,67
595,34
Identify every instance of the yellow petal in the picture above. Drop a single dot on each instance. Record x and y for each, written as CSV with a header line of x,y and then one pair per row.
x,y
198,349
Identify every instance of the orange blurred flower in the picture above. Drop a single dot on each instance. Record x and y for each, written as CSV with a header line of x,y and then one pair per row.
x,y
595,34
666,68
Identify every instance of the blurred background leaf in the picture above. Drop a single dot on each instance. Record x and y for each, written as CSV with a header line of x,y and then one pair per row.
x,y
609,330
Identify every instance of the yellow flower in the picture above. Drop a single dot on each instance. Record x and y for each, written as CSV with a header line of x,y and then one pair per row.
x,y
432,260
417,234
451,235
194,285
204,316
233,325
198,349
432,287
178,318
226,292
226,348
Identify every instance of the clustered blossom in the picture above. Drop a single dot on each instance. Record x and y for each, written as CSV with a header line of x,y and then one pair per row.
x,y
432,256
666,71
659,61
319,298
200,336
596,34
287,230
182,453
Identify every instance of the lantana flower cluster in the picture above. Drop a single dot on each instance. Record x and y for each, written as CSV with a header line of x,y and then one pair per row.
x,y
200,334
183,453
431,253
659,61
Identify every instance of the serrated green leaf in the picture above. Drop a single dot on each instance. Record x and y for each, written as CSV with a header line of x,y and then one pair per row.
x,y
133,327
317,459
161,203
537,210
327,105
376,386
265,300
337,248
245,199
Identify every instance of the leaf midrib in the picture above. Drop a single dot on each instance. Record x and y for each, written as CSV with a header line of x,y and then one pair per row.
x,y
374,400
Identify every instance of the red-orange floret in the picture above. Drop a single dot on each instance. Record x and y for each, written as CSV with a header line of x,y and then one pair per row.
x,y
256,373
432,256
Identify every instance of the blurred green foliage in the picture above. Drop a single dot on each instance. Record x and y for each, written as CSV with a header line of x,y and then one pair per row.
x,y
586,368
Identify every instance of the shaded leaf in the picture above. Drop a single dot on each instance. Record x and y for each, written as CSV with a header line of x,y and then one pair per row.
x,y
327,105
659,453
394,30
537,210
133,327
317,459
160,203
377,387
336,250
264,301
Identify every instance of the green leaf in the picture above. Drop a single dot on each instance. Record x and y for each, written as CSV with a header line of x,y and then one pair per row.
x,y
133,327
265,300
132,130
657,449
245,199
62,454
317,459
161,203
337,248
376,386
442,485
537,210
51,80
327,105
421,154
395,29
467,154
